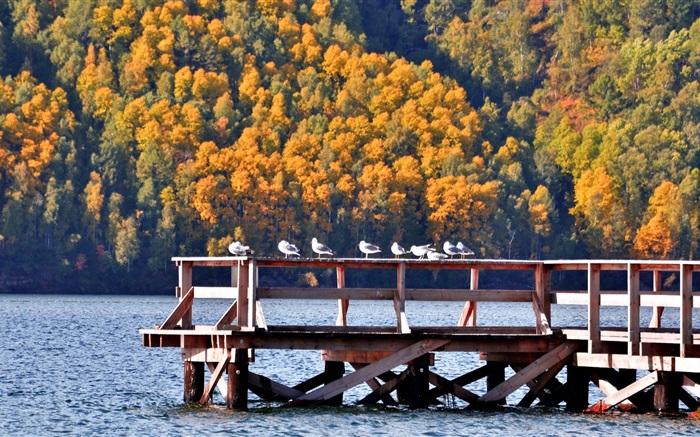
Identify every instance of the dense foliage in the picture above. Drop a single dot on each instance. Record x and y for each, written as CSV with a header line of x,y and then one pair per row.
x,y
136,130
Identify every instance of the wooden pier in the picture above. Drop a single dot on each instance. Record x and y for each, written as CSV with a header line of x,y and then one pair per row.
x,y
637,368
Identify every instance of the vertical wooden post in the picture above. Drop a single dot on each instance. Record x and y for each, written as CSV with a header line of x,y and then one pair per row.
x,y
667,392
576,394
468,316
633,328
194,381
252,293
593,308
343,304
185,279
334,370
400,300
243,303
496,376
686,321
417,385
655,321
238,381
543,287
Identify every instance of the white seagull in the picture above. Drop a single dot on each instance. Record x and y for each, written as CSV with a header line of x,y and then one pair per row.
x,y
238,249
319,248
420,251
436,256
465,250
451,249
368,248
397,250
287,248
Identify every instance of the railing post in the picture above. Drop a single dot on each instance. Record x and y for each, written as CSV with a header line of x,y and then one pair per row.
x,y
633,335
593,308
243,303
686,322
252,293
185,280
543,287
655,321
343,304
400,300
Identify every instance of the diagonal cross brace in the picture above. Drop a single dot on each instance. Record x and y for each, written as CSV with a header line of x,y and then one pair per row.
x,y
371,371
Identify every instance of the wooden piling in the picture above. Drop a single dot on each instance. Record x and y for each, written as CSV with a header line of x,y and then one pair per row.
x,y
238,381
194,381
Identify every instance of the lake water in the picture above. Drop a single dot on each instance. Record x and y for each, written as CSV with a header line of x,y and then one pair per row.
x,y
75,365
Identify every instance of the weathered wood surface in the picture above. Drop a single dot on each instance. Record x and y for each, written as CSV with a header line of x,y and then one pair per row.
x,y
625,393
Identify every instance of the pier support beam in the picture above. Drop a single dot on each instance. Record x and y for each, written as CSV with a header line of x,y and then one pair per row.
x,y
334,370
577,379
413,391
495,377
667,392
238,380
194,381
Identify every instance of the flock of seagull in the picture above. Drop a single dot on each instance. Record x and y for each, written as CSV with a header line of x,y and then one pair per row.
x,y
426,250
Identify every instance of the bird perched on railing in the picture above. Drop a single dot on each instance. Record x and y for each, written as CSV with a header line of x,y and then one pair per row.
x,y
451,249
420,251
237,249
288,248
436,256
320,249
465,250
397,250
368,248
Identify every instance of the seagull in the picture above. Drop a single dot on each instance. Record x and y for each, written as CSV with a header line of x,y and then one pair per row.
x,y
287,248
368,248
397,250
436,256
451,249
238,249
320,248
465,250
420,251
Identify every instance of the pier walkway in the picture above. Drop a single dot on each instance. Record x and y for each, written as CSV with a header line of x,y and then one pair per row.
x,y
639,368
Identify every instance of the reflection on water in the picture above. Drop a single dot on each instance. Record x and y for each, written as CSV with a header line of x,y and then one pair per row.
x,y
74,364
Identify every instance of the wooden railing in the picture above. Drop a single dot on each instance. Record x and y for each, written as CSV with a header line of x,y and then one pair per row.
x,y
634,299
246,295
246,312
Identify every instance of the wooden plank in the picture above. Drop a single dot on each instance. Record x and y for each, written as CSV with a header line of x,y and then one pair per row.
x,y
659,299
274,388
229,316
539,366
343,303
651,363
374,384
221,384
185,284
593,308
633,309
609,389
543,289
371,371
655,321
381,391
540,318
690,385
252,293
214,380
358,357
435,295
540,385
260,316
621,395
243,303
400,300
215,292
181,311
447,386
686,316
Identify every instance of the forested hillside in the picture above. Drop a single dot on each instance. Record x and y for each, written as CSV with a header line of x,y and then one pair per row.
x,y
132,131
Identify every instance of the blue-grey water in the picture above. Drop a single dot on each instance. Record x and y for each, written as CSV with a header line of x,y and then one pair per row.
x,y
75,365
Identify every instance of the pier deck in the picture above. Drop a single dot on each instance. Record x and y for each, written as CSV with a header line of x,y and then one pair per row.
x,y
637,367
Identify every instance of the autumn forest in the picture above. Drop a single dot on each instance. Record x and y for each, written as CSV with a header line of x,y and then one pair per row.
x,y
132,131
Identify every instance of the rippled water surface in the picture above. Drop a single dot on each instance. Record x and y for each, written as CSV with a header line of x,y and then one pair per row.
x,y
74,364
